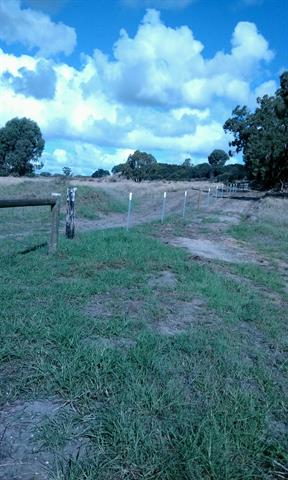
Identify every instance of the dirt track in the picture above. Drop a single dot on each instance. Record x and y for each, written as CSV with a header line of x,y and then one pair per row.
x,y
147,203
215,243
148,200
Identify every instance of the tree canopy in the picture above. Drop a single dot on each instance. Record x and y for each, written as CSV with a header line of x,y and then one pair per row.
x,y
262,136
100,173
67,171
186,171
21,146
138,165
218,158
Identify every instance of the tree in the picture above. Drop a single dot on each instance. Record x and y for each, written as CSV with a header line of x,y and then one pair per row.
x,y
138,165
100,173
202,170
118,168
262,136
187,162
218,158
233,172
21,146
67,171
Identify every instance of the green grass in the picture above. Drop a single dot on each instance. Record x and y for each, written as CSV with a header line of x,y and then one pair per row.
x,y
90,201
269,238
261,276
196,405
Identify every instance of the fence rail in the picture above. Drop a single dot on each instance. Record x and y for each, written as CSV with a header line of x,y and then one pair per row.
x,y
53,202
27,202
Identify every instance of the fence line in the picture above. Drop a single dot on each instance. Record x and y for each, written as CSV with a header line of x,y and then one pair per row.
x,y
53,202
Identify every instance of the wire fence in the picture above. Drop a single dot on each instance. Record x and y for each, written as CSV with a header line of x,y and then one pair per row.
x,y
22,228
26,228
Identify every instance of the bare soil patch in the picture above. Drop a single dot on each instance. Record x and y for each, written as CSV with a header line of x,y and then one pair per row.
x,y
227,249
22,453
259,348
110,304
180,316
165,313
164,279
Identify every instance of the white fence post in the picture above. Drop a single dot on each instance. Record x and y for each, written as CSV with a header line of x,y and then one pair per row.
x,y
184,203
129,211
208,197
163,207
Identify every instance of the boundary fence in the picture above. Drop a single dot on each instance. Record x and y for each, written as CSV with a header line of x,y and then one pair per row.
x,y
53,202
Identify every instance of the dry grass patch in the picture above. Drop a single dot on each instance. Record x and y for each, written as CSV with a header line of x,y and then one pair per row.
x,y
182,316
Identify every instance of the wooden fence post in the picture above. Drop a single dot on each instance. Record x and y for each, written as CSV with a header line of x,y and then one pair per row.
x,y
199,199
70,212
55,218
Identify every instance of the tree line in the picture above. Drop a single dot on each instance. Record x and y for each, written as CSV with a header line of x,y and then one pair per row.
x,y
261,136
142,166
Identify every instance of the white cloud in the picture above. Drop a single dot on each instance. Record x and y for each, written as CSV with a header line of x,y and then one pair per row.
x,y
158,93
38,82
180,113
249,43
266,88
34,29
61,156
84,158
11,63
165,66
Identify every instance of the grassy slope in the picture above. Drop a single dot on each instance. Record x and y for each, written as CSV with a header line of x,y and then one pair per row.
x,y
198,405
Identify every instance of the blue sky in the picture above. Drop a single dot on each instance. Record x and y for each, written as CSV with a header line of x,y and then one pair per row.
x,y
103,78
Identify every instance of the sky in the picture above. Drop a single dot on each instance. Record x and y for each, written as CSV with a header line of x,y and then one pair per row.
x,y
103,78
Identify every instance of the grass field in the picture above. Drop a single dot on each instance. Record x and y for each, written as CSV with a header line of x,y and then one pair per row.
x,y
128,358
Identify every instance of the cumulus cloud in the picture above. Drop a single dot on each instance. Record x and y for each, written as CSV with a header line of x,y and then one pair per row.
x,y
157,93
34,29
165,66
39,83
266,88
83,158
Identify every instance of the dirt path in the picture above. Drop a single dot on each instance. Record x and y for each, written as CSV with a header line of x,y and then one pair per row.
x,y
215,243
205,232
148,208
215,218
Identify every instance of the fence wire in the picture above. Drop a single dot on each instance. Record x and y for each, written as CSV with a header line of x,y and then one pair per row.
x,y
23,228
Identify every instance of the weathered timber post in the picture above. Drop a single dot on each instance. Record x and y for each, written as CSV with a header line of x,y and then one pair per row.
x,y
199,199
55,218
70,212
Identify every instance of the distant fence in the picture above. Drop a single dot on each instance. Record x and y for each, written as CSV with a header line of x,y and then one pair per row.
x,y
239,186
53,202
